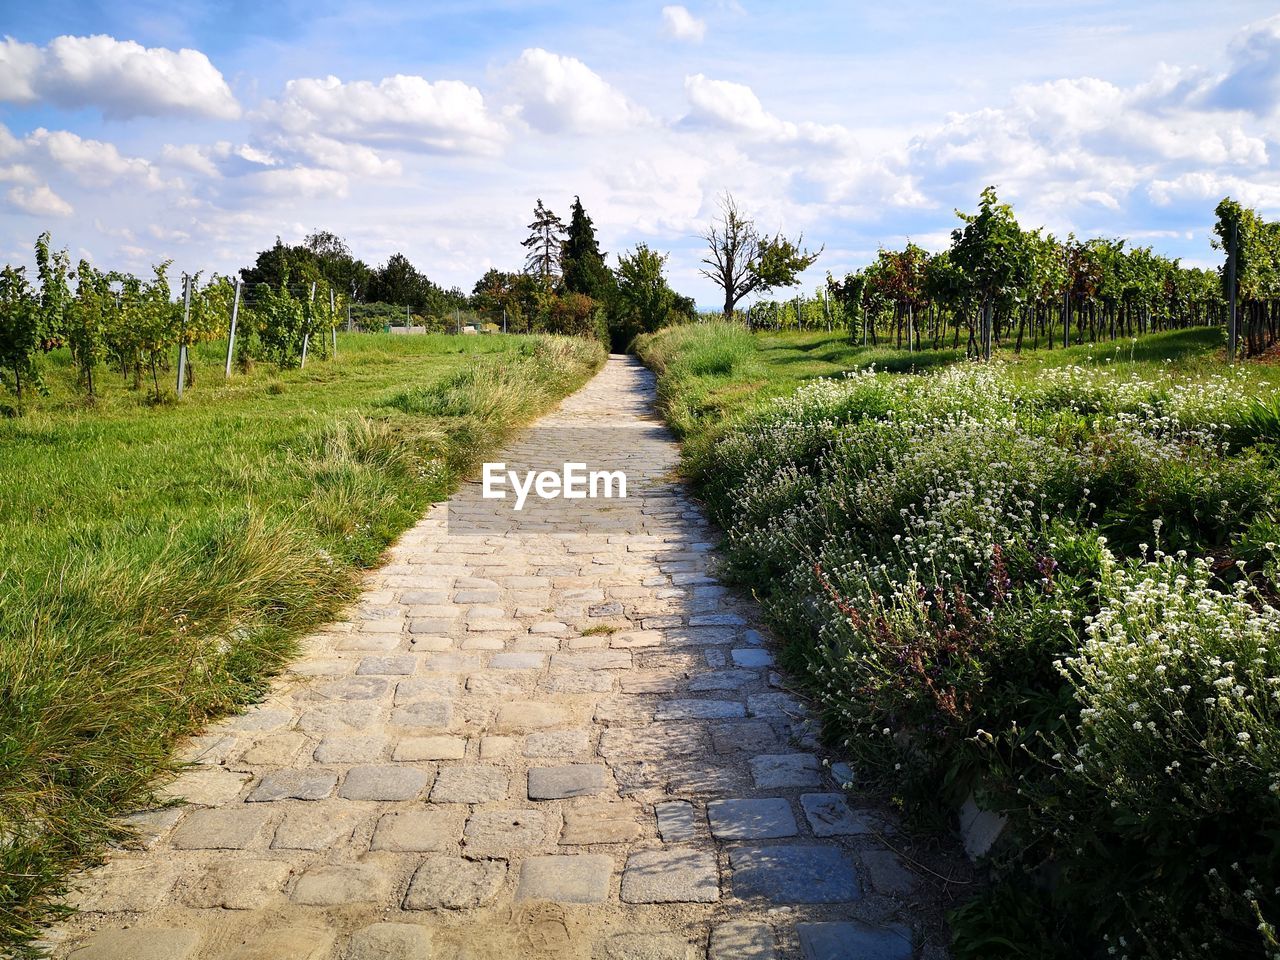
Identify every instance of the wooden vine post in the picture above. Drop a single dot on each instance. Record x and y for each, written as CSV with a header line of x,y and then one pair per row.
x,y
231,340
182,335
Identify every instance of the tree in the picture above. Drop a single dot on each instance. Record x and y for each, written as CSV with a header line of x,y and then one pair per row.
x,y
546,237
741,261
645,301
992,253
582,264
19,328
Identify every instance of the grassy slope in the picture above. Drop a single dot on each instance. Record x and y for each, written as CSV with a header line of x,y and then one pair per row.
x,y
709,374
157,562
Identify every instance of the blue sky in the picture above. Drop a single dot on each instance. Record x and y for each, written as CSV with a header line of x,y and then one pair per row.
x,y
199,131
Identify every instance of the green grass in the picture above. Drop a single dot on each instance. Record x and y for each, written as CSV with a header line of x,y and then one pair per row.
x,y
712,374
159,560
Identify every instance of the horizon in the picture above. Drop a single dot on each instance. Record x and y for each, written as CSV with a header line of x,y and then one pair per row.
x,y
175,137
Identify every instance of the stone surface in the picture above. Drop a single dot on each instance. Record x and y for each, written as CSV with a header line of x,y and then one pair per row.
x,y
829,815
431,830
454,883
238,885
584,878
743,940
571,780
360,748
886,872
390,941
125,885
751,819
497,831
474,784
599,822
793,873
852,940
383,783
316,827
231,828
340,884
440,747
771,771
297,941
752,657
648,946
293,785
139,943
699,710
672,875
677,822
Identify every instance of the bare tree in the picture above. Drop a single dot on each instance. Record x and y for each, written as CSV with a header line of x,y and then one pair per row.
x,y
741,261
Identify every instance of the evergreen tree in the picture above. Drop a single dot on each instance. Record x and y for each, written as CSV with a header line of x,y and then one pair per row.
x,y
581,261
546,237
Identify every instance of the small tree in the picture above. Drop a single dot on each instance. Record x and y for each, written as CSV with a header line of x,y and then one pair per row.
x,y
546,237
740,261
991,251
645,301
20,328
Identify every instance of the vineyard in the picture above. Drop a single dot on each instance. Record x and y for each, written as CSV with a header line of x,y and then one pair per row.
x,y
137,328
1000,285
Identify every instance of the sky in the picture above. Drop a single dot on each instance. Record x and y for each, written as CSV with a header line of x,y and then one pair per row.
x,y
199,132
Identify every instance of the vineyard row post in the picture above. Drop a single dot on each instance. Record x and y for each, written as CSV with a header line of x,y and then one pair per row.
x,y
182,335
1233,329
306,334
333,309
231,340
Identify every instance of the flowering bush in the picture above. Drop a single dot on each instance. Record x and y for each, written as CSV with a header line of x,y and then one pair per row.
x,y
957,560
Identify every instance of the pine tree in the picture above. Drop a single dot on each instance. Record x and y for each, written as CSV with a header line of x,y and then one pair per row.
x,y
546,237
581,261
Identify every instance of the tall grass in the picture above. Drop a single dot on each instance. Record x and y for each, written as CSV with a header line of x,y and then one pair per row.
x,y
157,564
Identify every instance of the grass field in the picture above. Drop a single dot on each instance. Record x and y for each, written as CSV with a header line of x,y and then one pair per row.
x,y
157,562
1051,582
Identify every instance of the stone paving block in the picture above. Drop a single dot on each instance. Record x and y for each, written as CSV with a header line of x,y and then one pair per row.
x,y
751,657
491,748
139,943
793,873
219,829
496,831
592,660
435,687
743,940
503,684
237,885
721,680
293,785
333,717
276,750
584,878
417,831
289,942
205,787
556,743
853,940
747,736
369,642
829,815
454,883
699,710
471,784
400,665
345,690
886,873
751,819
671,875
438,747
382,782
351,748
773,770
342,883
124,884
390,941
526,715
517,661
780,705
427,714
677,822
637,639
648,946
600,822
149,827
315,827
570,780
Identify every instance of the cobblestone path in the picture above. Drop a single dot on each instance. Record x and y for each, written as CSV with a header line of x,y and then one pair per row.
x,y
545,742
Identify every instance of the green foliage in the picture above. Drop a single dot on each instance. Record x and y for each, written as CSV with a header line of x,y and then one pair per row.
x,y
21,330
583,268
644,300
964,564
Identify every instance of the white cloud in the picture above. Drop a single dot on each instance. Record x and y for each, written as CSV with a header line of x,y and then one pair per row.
x,y
120,77
409,112
92,163
1252,81
353,158
296,183
734,106
559,94
680,24
38,202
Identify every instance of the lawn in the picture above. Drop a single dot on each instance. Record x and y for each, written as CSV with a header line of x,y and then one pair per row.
x,y
1048,583
159,561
